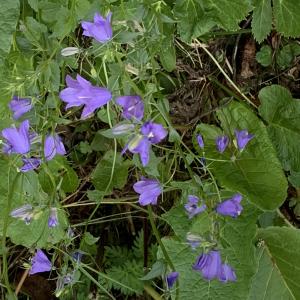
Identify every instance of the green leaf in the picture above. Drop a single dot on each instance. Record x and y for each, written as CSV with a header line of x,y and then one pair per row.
x,y
264,56
282,113
282,245
287,54
9,14
158,269
108,175
254,172
168,56
268,283
261,19
238,250
286,15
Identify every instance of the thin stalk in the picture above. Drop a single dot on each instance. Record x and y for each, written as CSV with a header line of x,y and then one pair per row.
x,y
150,291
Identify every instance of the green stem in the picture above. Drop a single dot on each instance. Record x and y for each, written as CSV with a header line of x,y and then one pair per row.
x,y
149,290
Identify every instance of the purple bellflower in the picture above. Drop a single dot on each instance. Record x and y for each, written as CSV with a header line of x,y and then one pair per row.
x,y
24,213
210,265
230,207
200,141
227,274
171,278
53,145
30,164
149,190
192,207
19,106
222,143
53,220
17,139
242,138
40,263
133,107
151,133
82,92
100,30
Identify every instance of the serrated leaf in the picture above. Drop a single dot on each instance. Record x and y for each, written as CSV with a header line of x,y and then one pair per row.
x,y
261,19
268,284
9,14
256,172
282,244
282,113
286,15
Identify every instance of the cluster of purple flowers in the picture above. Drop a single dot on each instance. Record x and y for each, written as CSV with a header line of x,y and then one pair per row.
x,y
242,139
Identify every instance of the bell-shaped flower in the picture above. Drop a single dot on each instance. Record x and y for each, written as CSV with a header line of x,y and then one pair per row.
x,y
192,207
222,143
53,145
171,278
149,190
133,107
30,164
227,273
82,92
53,220
193,240
17,139
40,263
200,141
242,138
151,133
230,207
19,106
210,265
100,29
24,213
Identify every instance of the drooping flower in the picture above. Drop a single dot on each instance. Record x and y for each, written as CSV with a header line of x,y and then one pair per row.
x,y
210,264
242,138
230,207
171,278
192,207
133,107
151,133
222,143
149,190
17,139
24,213
40,263
200,141
82,92
30,164
193,240
53,145
100,30
77,256
227,273
53,220
19,106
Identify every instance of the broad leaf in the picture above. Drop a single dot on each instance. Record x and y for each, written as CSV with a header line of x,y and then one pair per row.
x,y
261,19
254,172
282,113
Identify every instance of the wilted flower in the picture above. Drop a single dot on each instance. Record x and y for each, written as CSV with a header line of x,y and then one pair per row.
x,y
17,139
82,92
24,213
122,129
19,106
192,207
231,207
53,220
149,190
53,145
133,107
227,273
200,141
210,265
243,137
222,143
40,263
151,133
30,164
77,256
171,278
100,30
68,51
